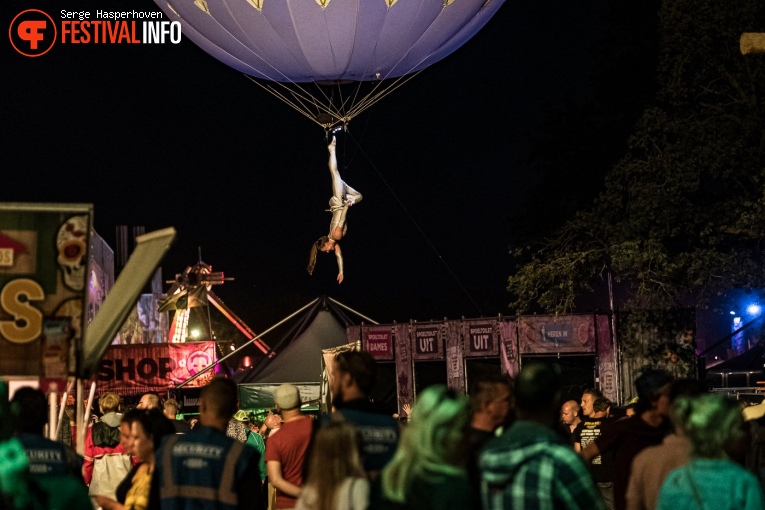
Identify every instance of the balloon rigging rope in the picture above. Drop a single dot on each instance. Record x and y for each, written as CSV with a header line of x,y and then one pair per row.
x,y
417,225
301,100
296,101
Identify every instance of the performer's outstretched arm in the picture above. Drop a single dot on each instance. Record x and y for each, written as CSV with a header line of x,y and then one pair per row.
x,y
339,257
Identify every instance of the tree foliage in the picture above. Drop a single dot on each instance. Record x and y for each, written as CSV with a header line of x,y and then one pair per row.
x,y
680,216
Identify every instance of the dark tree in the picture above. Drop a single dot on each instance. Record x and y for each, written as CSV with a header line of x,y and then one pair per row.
x,y
680,216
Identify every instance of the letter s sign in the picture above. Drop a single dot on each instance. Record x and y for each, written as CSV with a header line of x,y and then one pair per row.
x,y
27,322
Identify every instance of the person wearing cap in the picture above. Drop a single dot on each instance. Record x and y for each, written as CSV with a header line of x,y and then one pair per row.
x,y
205,469
236,427
626,438
255,440
652,465
286,452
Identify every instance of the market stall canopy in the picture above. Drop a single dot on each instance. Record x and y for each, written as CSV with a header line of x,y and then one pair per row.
x,y
300,360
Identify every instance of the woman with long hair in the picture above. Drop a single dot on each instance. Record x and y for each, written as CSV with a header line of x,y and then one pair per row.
x,y
335,478
343,196
147,430
715,425
428,470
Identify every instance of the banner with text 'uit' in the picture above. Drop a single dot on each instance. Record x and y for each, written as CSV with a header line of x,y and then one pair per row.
x,y
428,342
480,338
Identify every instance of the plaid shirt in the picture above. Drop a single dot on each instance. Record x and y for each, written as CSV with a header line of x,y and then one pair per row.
x,y
531,467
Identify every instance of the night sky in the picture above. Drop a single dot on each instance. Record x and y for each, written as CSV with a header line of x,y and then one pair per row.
x,y
166,135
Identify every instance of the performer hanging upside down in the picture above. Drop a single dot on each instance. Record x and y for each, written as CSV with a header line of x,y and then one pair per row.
x,y
343,196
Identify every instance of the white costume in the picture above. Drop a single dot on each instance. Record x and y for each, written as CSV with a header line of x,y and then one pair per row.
x,y
343,196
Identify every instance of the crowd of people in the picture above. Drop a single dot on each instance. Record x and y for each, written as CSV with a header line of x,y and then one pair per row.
x,y
509,444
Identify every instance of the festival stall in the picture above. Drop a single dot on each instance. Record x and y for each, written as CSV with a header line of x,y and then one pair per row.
x,y
139,368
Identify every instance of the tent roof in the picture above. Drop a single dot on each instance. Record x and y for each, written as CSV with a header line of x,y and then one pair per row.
x,y
300,358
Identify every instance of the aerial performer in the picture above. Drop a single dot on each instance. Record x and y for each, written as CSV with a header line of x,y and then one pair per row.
x,y
343,197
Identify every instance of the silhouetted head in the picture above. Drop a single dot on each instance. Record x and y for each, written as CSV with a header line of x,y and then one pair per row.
x,y
711,421
150,400
537,392
29,410
219,398
651,386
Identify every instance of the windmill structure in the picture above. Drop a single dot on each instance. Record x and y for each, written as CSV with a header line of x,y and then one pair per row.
x,y
193,289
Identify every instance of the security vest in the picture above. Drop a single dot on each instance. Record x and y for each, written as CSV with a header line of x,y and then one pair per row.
x,y
379,432
46,457
201,469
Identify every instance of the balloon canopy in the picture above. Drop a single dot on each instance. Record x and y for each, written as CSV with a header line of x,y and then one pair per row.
x,y
296,47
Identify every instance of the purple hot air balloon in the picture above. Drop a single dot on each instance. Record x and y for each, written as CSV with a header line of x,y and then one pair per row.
x,y
294,48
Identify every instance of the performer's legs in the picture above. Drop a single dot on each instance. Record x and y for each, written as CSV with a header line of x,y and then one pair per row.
x,y
338,186
351,195
341,192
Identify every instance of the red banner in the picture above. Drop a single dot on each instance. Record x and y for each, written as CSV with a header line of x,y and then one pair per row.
x,y
379,342
480,338
154,367
427,342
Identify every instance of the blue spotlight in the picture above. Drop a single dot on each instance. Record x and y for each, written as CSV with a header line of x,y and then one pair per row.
x,y
753,309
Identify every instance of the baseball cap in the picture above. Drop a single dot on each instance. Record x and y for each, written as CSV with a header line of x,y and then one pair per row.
x,y
287,396
241,415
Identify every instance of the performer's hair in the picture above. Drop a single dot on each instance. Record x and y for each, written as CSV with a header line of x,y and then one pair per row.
x,y
314,249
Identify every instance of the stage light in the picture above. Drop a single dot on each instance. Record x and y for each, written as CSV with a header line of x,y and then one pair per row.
x,y
753,309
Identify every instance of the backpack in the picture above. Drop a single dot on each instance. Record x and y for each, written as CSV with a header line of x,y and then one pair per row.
x,y
105,435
